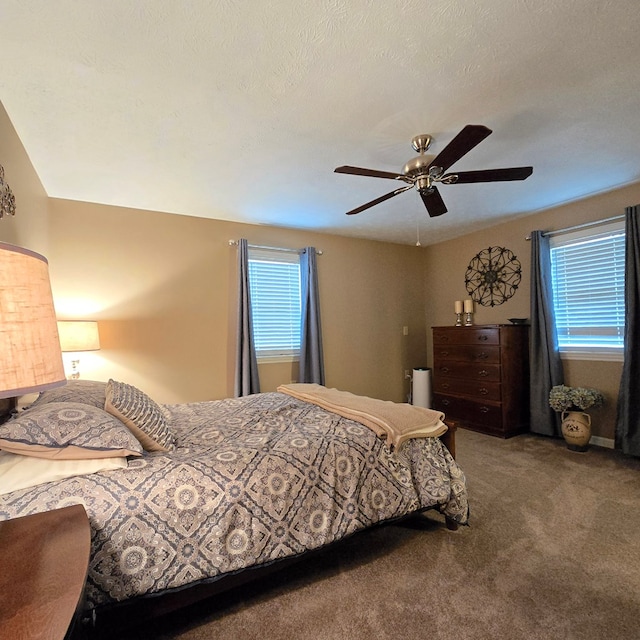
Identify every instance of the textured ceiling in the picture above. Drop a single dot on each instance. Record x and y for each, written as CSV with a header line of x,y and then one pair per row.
x,y
240,110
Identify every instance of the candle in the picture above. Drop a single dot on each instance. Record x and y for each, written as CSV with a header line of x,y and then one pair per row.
x,y
468,306
458,306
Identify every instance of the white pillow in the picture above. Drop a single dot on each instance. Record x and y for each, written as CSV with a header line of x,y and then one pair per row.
x,y
23,472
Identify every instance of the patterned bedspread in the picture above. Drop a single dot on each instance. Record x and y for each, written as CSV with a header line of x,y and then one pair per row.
x,y
251,480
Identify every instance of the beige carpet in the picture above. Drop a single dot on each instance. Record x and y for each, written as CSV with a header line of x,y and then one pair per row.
x,y
552,552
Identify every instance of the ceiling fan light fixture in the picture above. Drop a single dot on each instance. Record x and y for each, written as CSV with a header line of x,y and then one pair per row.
x,y
423,184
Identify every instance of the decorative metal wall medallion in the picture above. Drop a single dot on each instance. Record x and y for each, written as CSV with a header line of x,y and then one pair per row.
x,y
493,276
7,199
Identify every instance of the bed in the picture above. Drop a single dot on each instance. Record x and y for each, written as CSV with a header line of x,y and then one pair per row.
x,y
208,491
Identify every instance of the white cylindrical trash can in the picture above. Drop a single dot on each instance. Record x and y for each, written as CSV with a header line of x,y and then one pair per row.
x,y
421,387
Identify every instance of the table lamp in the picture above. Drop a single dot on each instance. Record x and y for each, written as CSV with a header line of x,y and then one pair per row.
x,y
76,336
30,356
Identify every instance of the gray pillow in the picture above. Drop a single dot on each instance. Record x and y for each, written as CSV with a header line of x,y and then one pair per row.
x,y
141,414
68,431
84,391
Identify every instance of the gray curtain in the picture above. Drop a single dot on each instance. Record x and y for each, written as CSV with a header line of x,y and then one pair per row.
x,y
311,358
246,379
628,419
544,362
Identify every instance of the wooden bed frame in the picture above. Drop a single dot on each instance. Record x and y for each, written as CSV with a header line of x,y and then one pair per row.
x,y
120,615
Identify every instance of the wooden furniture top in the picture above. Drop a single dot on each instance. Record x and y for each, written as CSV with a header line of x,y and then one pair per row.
x,y
43,569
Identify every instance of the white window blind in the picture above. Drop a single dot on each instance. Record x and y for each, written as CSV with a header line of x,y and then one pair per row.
x,y
588,289
274,281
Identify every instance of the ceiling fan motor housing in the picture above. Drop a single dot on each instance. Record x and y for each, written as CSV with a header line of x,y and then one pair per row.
x,y
417,166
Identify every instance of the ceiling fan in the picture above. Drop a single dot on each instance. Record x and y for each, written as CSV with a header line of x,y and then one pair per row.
x,y
423,171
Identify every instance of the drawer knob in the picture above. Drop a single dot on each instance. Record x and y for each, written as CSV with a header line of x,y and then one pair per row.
x,y
446,385
482,391
483,338
484,409
482,355
444,369
483,372
444,354
446,402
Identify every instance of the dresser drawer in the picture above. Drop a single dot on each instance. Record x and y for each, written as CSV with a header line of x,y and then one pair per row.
x,y
464,370
466,335
467,353
469,411
476,389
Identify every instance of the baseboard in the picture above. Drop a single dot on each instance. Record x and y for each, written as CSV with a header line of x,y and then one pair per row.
x,y
609,443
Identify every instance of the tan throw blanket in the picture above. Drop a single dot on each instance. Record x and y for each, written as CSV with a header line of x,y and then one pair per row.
x,y
391,420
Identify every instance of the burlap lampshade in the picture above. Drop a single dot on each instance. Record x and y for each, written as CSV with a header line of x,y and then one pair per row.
x,y
29,347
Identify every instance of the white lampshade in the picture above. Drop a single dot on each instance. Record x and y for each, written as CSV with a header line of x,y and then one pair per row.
x,y
29,347
78,335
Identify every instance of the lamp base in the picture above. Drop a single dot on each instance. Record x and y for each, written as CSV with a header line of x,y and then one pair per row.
x,y
7,405
75,372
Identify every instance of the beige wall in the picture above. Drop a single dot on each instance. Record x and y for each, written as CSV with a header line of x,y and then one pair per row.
x,y
29,227
446,263
163,288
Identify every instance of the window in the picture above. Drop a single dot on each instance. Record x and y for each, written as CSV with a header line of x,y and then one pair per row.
x,y
588,291
274,281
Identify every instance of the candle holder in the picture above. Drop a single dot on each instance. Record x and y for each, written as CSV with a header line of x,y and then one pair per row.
x,y
469,319
458,319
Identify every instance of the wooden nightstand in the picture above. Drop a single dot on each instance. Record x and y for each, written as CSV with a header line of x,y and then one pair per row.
x,y
43,570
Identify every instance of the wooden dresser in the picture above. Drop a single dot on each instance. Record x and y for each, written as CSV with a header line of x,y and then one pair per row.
x,y
481,377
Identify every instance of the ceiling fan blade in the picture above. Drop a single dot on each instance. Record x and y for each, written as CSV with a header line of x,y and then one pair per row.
x,y
373,173
467,139
378,200
433,202
488,175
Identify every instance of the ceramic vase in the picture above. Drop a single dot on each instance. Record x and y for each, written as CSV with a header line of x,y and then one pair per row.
x,y
576,429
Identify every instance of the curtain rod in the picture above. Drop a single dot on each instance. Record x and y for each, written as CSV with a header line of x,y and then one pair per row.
x,y
577,227
234,243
